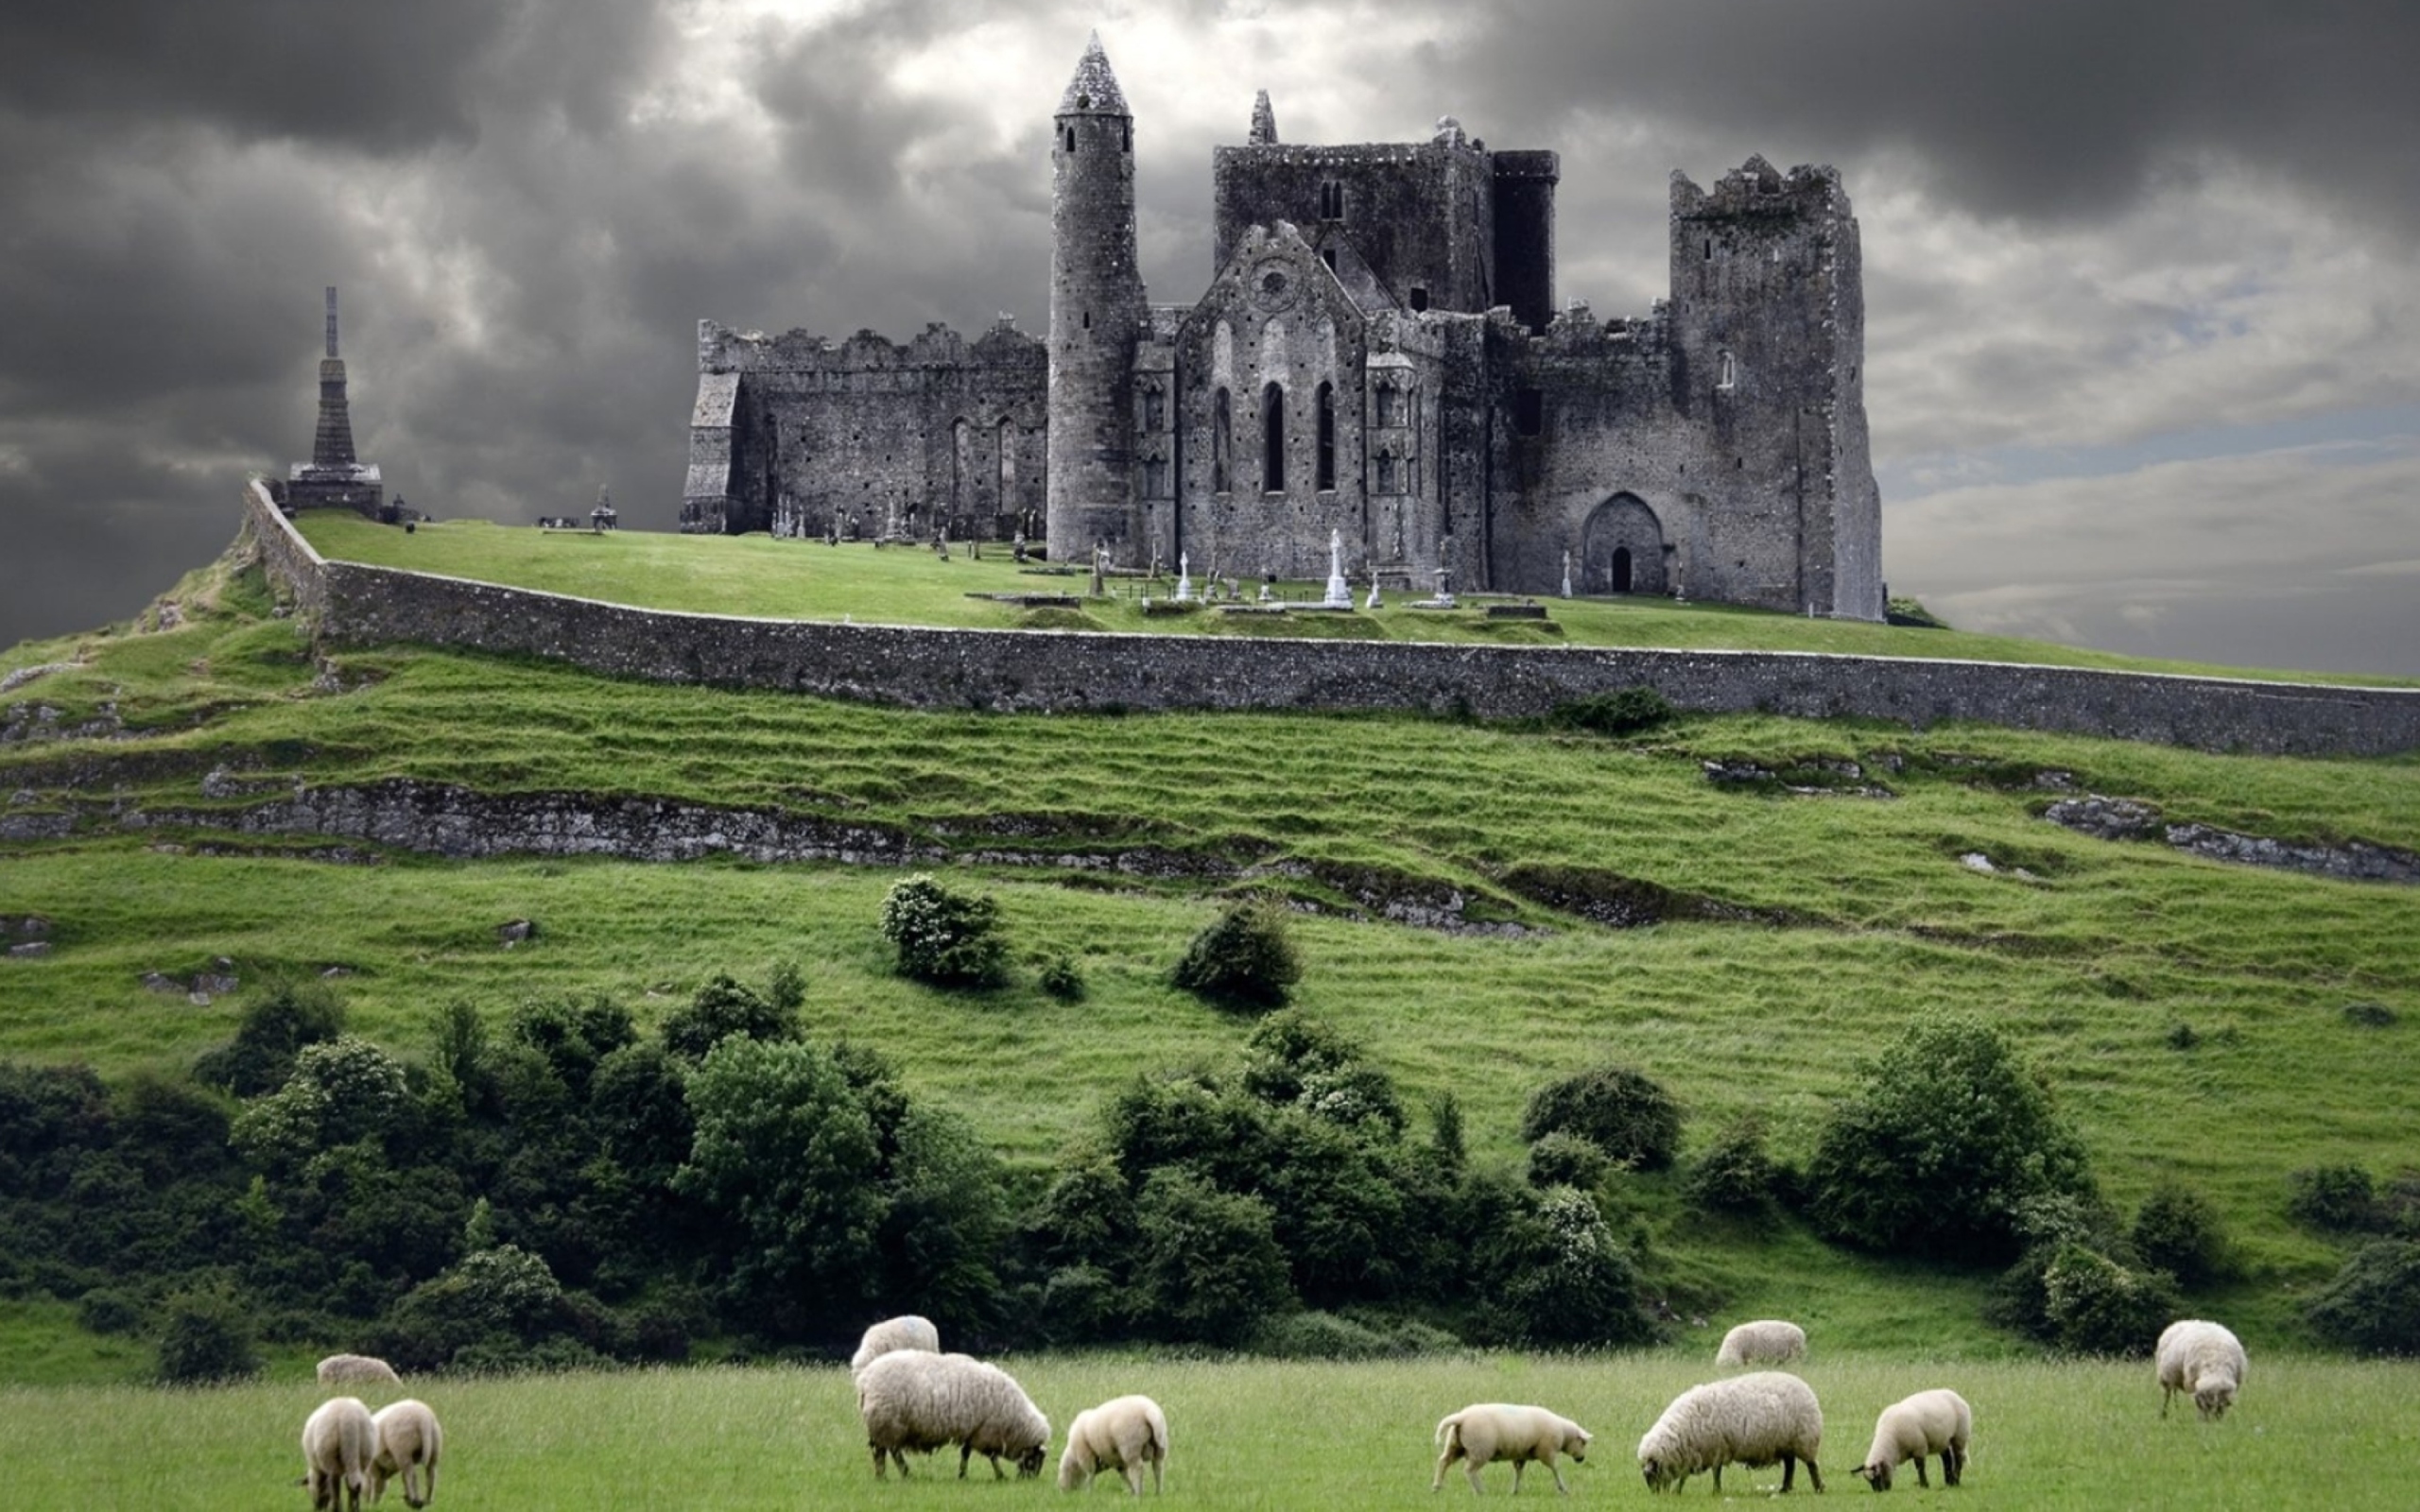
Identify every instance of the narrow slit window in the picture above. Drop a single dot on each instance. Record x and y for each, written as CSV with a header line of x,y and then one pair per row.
x,y
1418,298
1071,141
1331,201
1222,437
1272,440
1529,411
1328,437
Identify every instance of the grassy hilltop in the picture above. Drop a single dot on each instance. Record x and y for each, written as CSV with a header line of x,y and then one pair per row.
x,y
2190,1016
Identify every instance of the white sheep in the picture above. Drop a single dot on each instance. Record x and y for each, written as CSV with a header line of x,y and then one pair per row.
x,y
1123,1433
409,1441
915,1399
1929,1422
1753,1420
2204,1359
907,1332
352,1369
1767,1341
1486,1432
339,1442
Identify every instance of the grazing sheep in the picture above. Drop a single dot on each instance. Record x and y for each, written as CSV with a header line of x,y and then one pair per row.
x,y
1486,1432
915,1398
1753,1421
2204,1359
407,1443
339,1442
1767,1341
1123,1433
907,1332
352,1369
1929,1422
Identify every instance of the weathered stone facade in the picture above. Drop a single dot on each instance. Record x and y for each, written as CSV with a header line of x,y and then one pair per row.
x,y
1378,354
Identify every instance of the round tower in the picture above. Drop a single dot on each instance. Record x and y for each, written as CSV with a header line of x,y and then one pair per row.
x,y
1097,312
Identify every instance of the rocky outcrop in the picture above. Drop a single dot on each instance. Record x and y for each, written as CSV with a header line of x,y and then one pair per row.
x,y
2126,818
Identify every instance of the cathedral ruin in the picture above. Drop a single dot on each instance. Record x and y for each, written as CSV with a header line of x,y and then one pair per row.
x,y
1379,355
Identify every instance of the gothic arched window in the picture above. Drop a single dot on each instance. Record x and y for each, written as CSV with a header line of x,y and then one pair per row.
x,y
1222,440
1272,440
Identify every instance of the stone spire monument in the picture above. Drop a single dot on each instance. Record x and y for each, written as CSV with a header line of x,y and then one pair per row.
x,y
335,477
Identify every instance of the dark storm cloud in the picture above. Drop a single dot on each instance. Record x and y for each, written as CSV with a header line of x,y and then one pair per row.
x,y
2052,109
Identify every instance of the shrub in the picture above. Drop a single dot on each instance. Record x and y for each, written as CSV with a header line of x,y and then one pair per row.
x,y
1446,1137
2369,1015
1937,1152
721,1008
2178,1231
105,1310
2097,1306
2374,1303
1735,1175
1562,1159
1626,711
484,1313
272,1031
1208,1268
1623,1113
1295,1061
1316,1335
1562,1279
943,935
206,1336
1245,959
2339,1199
1062,979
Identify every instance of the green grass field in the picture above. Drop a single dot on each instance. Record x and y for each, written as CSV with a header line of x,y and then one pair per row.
x,y
798,579
2189,1015
2305,1433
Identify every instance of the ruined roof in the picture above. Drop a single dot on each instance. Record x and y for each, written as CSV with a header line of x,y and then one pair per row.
x,y
1093,89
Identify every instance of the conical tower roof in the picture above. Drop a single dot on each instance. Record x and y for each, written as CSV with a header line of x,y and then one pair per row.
x,y
1093,89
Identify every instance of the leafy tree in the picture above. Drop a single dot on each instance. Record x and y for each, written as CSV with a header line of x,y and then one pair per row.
x,y
1208,1268
1735,1175
785,1157
1623,1113
1937,1151
945,936
1245,959
341,1091
2373,1305
2337,1199
2178,1231
489,1310
271,1033
1561,1160
1295,1061
2097,1306
573,1037
724,1007
50,1117
1561,1278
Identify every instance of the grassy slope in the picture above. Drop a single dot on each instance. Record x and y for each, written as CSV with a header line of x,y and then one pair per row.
x,y
793,580
2306,1433
2091,965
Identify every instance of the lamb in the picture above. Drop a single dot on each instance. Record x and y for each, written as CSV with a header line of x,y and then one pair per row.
x,y
1767,1341
2204,1359
1753,1420
907,1332
408,1442
1486,1432
1929,1422
351,1369
915,1399
1123,1433
339,1442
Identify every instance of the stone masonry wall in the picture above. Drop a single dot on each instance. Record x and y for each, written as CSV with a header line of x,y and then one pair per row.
x,y
1043,671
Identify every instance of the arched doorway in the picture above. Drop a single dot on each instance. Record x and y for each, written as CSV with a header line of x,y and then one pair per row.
x,y
1621,549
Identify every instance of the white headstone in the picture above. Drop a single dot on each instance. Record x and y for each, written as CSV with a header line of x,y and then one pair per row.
x,y
1566,575
1340,593
1184,579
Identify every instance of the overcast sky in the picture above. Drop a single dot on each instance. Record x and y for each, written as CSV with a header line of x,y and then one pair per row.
x,y
2143,308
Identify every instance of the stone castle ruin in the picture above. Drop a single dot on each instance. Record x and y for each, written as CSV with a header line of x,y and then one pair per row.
x,y
1379,356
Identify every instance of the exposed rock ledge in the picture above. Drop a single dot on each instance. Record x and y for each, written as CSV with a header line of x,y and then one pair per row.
x,y
2126,818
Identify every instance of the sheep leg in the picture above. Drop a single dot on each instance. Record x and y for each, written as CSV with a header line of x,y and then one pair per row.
x,y
1953,1465
1815,1475
1920,1471
1446,1461
1718,1480
1518,1466
1470,1468
965,1452
2166,1394
1788,1469
1556,1471
1133,1472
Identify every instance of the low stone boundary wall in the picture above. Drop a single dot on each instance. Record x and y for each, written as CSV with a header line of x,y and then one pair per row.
x,y
1051,671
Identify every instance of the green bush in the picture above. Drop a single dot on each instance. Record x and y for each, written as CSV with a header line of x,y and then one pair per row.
x,y
1062,979
2336,1198
271,1032
1246,959
1623,1113
721,1008
104,1310
2373,1305
484,1313
943,935
1564,1160
1295,1061
1627,711
1208,1269
1316,1335
2179,1230
1940,1148
205,1337
2097,1306
1565,1280
1735,1175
